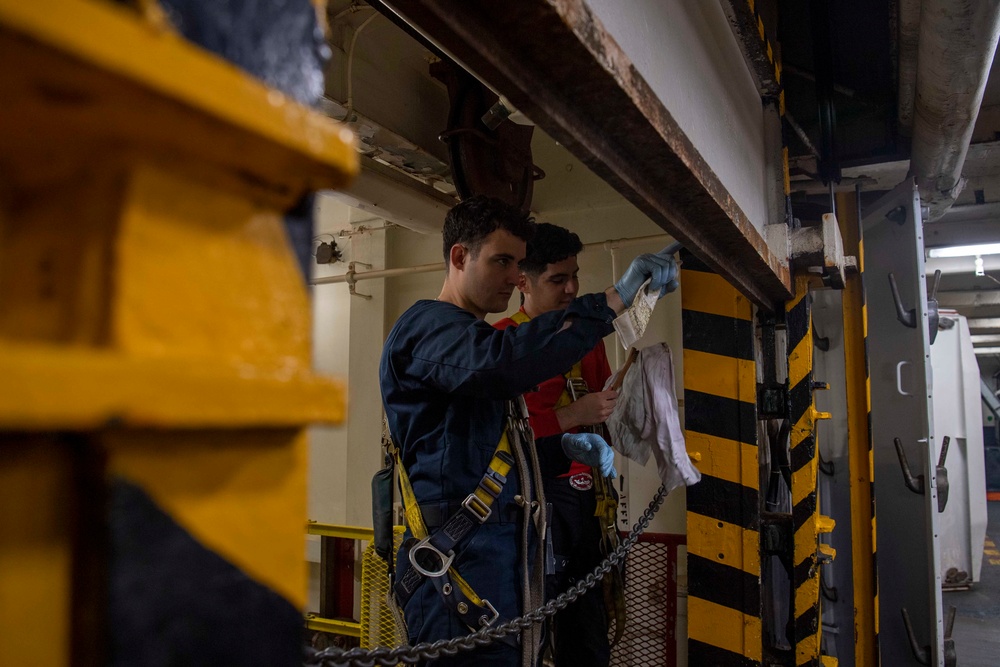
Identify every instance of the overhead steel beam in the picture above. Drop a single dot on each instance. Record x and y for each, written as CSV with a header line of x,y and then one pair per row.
x,y
962,232
979,323
969,298
555,61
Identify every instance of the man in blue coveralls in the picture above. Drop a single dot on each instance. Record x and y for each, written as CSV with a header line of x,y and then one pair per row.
x,y
446,375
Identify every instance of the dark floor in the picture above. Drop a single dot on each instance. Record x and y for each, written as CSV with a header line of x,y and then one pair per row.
x,y
977,624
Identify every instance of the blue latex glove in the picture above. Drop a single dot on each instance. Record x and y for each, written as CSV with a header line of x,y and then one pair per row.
x,y
590,450
660,268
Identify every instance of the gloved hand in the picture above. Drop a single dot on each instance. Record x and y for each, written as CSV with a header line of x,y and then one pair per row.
x,y
660,268
590,450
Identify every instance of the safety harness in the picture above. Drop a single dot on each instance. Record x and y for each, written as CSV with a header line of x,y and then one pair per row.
x,y
607,502
431,554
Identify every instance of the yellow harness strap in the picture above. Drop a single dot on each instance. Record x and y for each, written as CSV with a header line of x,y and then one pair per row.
x,y
606,504
486,493
575,373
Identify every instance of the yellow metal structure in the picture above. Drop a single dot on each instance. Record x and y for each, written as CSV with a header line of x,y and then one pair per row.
x,y
860,460
379,624
336,530
807,523
723,515
154,326
333,626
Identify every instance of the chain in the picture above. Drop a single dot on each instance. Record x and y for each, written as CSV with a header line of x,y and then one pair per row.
x,y
357,657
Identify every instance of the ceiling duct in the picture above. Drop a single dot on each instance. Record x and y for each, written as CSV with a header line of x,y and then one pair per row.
x,y
957,41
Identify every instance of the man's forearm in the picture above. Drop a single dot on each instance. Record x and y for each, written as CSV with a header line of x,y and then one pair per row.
x,y
615,302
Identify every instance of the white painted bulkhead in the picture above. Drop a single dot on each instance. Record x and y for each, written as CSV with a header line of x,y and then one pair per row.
x,y
687,53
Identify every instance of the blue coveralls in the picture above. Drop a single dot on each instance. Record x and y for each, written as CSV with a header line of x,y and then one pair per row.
x,y
445,376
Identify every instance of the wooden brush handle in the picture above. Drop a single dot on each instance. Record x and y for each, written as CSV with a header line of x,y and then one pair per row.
x,y
633,354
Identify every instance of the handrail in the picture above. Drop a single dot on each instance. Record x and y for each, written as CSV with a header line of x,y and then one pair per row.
x,y
337,626
333,626
337,530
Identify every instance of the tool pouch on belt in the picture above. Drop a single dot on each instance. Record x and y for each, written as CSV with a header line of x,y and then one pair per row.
x,y
382,484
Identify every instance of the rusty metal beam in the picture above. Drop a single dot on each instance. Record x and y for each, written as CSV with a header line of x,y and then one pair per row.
x,y
554,60
756,48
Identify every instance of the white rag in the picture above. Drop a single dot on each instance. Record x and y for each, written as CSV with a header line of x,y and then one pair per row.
x,y
646,421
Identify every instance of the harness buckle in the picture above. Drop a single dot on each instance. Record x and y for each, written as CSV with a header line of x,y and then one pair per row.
x,y
487,622
477,507
445,560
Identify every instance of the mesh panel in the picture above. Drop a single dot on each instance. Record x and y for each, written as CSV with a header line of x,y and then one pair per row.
x,y
650,627
381,621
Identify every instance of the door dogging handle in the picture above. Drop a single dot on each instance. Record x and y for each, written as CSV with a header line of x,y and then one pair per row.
x,y
933,316
923,655
916,483
909,317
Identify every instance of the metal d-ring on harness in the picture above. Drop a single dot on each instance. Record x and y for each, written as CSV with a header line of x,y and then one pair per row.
x,y
432,554
331,657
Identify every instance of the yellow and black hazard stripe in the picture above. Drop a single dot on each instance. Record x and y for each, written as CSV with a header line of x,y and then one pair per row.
x,y
859,441
807,523
723,509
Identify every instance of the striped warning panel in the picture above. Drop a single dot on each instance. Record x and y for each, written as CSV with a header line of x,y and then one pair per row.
x,y
807,523
723,515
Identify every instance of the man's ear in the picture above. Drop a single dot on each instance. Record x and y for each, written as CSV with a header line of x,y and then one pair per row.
x,y
522,283
458,255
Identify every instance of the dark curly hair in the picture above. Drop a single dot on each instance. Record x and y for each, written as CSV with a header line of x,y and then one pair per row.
x,y
550,244
471,221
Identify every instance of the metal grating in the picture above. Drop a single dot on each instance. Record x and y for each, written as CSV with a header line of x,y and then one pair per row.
x,y
381,621
650,604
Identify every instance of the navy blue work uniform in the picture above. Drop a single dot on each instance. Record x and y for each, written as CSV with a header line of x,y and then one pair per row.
x,y
445,376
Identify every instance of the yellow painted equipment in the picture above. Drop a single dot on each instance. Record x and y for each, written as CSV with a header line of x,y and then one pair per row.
x,y
723,516
154,326
855,310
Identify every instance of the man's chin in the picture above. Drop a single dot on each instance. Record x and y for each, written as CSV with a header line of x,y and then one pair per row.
x,y
499,306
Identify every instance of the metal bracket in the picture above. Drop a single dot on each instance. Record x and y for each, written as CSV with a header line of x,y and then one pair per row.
x,y
352,281
821,249
916,484
772,400
776,535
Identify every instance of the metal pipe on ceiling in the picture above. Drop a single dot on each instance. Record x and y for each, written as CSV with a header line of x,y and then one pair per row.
x,y
954,54
356,276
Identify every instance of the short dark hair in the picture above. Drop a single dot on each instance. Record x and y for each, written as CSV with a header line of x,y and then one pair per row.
x,y
471,221
550,244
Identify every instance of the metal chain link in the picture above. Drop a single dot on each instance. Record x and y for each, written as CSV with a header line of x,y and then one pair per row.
x,y
357,657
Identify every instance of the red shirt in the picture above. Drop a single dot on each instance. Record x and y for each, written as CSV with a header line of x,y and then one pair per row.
x,y
594,369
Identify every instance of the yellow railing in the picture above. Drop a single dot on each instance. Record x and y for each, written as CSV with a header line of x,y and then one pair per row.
x,y
332,625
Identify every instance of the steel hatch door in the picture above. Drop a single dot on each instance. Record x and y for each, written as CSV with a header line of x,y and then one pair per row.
x,y
907,547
